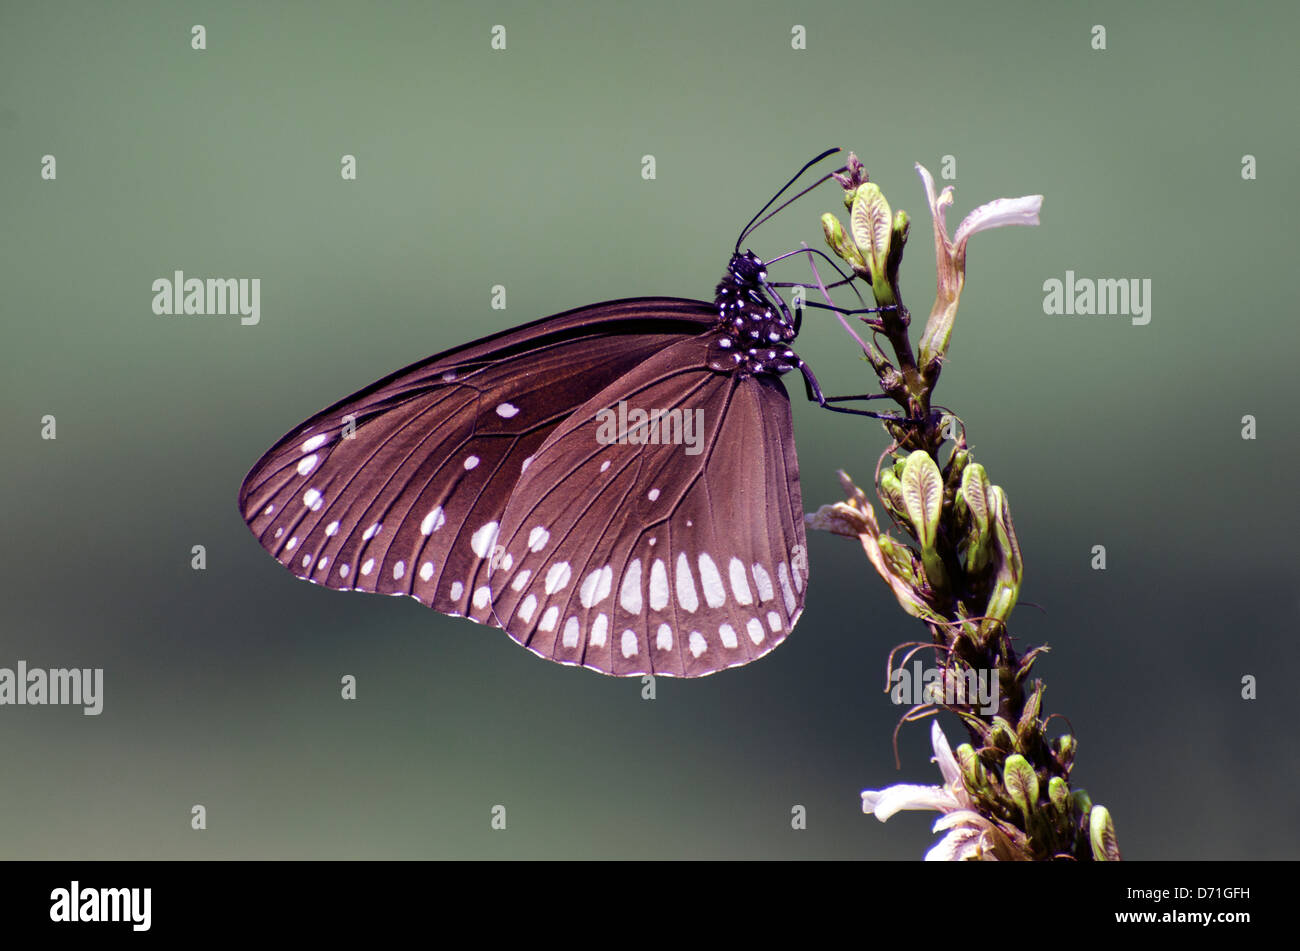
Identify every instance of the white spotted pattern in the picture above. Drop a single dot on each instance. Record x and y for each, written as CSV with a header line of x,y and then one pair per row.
x,y
332,529
658,586
764,583
538,538
728,635
755,629
697,644
774,620
426,571
307,464
370,532
686,596
312,499
457,589
482,597
783,575
289,545
629,643
629,595
506,410
521,579
399,569
311,445
739,584
711,581
664,638
558,577
595,587
368,566
653,495
483,539
433,521
527,608
572,630
599,628
549,619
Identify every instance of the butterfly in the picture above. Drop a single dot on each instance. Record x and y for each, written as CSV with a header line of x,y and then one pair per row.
x,y
616,486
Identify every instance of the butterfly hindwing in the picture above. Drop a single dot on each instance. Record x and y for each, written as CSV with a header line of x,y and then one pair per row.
x,y
674,558
390,489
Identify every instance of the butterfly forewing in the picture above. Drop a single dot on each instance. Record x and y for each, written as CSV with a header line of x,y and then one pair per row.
x,y
398,489
681,555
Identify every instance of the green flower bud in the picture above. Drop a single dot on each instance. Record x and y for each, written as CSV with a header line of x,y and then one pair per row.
x,y
1101,830
1021,783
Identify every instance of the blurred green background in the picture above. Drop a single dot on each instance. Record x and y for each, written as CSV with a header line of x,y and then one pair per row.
x,y
522,168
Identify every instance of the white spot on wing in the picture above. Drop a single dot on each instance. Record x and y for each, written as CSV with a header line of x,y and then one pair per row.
x,y
664,638
433,521
426,571
471,462
549,619
457,589
653,495
507,410
399,569
288,546
739,583
343,570
482,597
524,466
572,630
332,529
764,582
658,586
369,533
629,594
604,465
728,635
686,596
306,560
311,445
595,587
714,593
368,566
527,608
629,643
598,629
783,575
774,620
697,644
521,580
755,628
558,577
307,464
538,538
483,539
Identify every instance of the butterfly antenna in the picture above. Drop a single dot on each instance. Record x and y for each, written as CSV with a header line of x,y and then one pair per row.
x,y
755,222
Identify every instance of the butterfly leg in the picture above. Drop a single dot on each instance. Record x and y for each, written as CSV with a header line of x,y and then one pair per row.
x,y
816,395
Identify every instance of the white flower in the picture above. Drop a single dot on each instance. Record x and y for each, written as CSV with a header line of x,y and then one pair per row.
x,y
950,254
970,834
